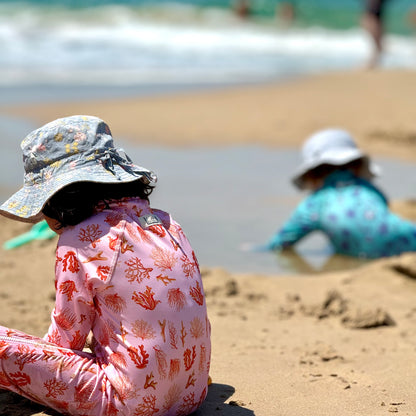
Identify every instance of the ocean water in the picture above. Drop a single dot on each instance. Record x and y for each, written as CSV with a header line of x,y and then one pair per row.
x,y
137,42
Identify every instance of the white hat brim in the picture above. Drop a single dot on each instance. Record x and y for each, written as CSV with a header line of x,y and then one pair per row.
x,y
334,158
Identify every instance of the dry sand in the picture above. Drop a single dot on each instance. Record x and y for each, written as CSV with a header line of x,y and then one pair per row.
x,y
339,343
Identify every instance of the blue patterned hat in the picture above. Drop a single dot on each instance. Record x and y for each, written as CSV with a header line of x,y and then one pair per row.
x,y
68,150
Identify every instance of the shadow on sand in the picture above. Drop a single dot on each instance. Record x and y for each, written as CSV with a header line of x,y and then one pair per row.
x,y
215,404
16,405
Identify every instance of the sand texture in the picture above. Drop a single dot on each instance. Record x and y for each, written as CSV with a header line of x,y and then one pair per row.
x,y
339,343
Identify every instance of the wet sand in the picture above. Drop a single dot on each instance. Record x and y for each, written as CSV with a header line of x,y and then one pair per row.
x,y
376,106
336,343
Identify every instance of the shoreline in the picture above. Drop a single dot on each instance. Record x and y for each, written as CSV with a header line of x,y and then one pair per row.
x,y
278,114
230,159
33,94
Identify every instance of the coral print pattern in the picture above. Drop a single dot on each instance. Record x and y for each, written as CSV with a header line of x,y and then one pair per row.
x,y
129,275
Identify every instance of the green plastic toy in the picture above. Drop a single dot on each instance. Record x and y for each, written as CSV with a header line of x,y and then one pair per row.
x,y
39,231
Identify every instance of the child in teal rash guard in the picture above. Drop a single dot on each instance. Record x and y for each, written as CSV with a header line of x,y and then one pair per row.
x,y
343,203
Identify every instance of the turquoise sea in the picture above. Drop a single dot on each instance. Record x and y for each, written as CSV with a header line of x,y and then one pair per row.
x,y
137,42
340,14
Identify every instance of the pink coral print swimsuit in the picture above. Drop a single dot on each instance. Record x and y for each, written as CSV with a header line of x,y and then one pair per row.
x,y
129,275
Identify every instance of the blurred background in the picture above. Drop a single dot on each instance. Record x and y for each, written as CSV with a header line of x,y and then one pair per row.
x,y
139,42
63,50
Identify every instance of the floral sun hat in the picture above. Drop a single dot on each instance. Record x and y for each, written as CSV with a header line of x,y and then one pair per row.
x,y
331,147
71,149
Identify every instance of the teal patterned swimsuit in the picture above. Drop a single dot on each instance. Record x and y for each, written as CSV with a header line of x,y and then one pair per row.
x,y
354,215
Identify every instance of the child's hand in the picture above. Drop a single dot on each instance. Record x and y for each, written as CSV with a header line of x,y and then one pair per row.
x,y
90,343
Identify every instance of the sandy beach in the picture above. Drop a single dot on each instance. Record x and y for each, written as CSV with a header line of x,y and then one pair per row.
x,y
376,106
336,343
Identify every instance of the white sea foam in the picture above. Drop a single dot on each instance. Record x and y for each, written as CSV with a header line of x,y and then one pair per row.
x,y
118,45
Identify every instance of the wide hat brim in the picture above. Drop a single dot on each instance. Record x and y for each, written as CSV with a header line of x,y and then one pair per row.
x,y
26,204
336,158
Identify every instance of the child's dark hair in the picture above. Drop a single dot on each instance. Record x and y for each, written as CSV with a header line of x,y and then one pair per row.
x,y
76,202
324,170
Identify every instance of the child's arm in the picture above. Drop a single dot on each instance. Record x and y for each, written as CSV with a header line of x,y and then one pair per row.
x,y
74,311
303,221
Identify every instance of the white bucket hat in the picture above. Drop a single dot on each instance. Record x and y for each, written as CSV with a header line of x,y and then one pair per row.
x,y
330,147
71,149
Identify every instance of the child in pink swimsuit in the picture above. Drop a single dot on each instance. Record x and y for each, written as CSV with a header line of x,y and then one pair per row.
x,y
126,277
